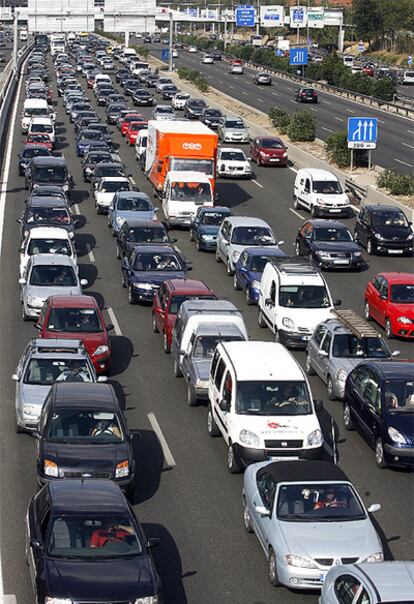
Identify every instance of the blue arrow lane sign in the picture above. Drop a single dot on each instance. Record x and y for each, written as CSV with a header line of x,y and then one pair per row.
x,y
165,54
362,132
298,56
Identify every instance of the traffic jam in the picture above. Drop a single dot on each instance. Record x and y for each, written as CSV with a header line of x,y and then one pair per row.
x,y
84,542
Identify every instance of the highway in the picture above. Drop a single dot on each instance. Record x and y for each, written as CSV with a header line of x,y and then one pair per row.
x,y
395,133
205,556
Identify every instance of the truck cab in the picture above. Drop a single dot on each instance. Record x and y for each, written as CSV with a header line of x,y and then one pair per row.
x,y
184,193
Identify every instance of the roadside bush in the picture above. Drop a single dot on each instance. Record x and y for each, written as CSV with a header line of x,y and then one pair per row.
x,y
183,73
194,76
279,118
396,183
384,89
336,146
302,126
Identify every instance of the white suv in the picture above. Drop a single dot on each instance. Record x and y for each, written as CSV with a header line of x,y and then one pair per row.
x,y
261,403
320,192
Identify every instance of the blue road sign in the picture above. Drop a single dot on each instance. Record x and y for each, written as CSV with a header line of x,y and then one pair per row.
x,y
245,16
410,60
298,56
362,132
165,54
279,52
361,46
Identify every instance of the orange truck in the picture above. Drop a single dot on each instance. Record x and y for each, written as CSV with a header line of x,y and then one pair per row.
x,y
179,146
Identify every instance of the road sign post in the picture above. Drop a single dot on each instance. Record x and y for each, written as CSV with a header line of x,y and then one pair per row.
x,y
362,134
410,60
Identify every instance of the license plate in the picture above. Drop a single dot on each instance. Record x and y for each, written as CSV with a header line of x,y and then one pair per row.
x,y
322,577
335,210
395,251
275,159
272,458
339,261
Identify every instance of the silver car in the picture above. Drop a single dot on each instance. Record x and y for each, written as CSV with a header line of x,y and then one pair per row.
x,y
308,517
47,275
44,362
233,130
338,345
385,582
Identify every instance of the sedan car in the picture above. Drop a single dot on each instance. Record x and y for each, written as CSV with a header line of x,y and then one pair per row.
x,y
163,112
205,225
168,91
207,59
249,269
132,131
30,151
233,130
306,95
212,118
113,112
384,230
46,240
236,67
180,99
81,538
262,79
193,108
389,299
330,244
142,96
233,163
135,232
129,205
379,401
105,191
268,151
287,503
85,139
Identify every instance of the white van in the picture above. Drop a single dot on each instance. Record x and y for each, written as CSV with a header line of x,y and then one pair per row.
x,y
294,297
128,53
348,61
184,193
261,403
101,77
320,192
23,35
138,67
35,108
408,77
43,125
141,146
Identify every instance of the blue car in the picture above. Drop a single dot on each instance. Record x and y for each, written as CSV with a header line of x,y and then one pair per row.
x,y
145,267
87,138
129,205
249,269
205,226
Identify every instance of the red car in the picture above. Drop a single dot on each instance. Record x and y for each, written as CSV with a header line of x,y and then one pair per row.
x,y
132,131
167,301
389,299
268,151
368,70
130,117
40,139
78,317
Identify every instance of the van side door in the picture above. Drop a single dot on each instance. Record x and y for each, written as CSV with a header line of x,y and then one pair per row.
x,y
225,404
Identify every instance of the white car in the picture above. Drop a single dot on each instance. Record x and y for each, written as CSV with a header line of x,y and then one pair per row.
x,y
163,112
233,163
42,125
106,189
179,100
192,49
46,240
207,59
175,54
236,68
321,193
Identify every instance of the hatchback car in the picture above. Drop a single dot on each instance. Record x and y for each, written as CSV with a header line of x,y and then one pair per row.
x,y
233,163
82,538
168,91
105,191
135,232
85,138
180,99
389,299
163,112
194,108
30,151
268,151
286,503
46,240
205,225
132,131
129,205
212,117
379,401
306,95
142,96
384,230
48,170
47,211
233,130
249,269
262,79
106,169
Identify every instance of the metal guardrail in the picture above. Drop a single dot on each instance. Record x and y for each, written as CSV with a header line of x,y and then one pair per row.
x,y
358,192
404,100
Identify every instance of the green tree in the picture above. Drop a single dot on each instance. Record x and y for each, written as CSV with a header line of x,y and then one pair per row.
x,y
367,19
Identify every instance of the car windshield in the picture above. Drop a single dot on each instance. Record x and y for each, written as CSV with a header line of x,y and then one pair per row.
x,y
391,218
332,234
349,346
147,235
197,104
205,166
271,143
402,293
236,124
115,186
116,108
105,171
324,502
74,320
212,218
158,262
304,296
91,426
44,275
327,187
399,396
50,215
29,153
51,174
43,372
49,246
258,263
131,204
191,191
233,155
252,236
213,113
272,398
93,537
177,300
92,135
205,346
95,158
41,128
37,137
164,110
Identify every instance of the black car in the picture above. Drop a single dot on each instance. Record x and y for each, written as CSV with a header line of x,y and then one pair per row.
x,y
142,96
115,98
122,73
194,108
169,91
152,79
83,434
106,169
113,112
139,232
106,134
85,122
83,542
44,211
28,153
379,402
50,191
217,55
48,171
384,230
85,138
330,244
131,86
91,159
262,79
212,118
80,116
306,95
102,95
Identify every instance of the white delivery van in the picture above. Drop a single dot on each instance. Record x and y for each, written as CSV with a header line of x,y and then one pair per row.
x,y
408,77
320,192
261,403
137,67
184,193
35,108
127,54
141,146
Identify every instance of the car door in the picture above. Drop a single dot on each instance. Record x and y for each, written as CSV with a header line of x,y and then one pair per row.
x,y
224,404
223,240
159,307
304,239
358,380
37,524
265,498
371,408
382,301
216,377
186,358
314,346
321,362
362,226
254,149
374,298
127,264
305,193
242,270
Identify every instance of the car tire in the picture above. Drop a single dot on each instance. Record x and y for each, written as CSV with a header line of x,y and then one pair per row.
x,y
272,569
314,212
24,316
191,397
131,298
370,249
236,283
367,311
379,453
218,259
347,418
230,271
176,369
331,390
212,427
249,301
154,324
191,235
198,245
388,329
247,518
165,346
233,464
123,282
261,320
296,203
308,365
19,429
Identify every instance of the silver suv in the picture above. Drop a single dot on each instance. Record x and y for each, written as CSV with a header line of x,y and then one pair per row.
x,y
338,345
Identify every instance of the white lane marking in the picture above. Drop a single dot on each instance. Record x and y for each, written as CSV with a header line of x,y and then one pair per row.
x,y
76,208
350,111
410,131
407,145
400,161
326,129
313,109
326,102
90,254
232,87
166,451
131,178
296,213
293,169
292,101
244,92
381,121
257,183
260,100
357,210
338,119
114,320
275,94
221,81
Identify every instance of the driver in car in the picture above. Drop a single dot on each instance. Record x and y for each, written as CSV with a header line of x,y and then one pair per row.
x,y
110,532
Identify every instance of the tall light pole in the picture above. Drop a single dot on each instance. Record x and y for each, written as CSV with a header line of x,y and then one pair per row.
x,y
16,20
170,54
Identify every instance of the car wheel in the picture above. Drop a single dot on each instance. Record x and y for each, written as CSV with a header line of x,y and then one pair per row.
x,y
198,245
388,329
131,298
154,324
19,429
314,212
348,423
331,391
123,282
236,283
379,454
296,203
191,397
261,320
232,460
230,270
370,249
272,569
218,259
297,249
249,301
247,518
165,346
176,369
24,316
367,311
191,235
308,365
212,427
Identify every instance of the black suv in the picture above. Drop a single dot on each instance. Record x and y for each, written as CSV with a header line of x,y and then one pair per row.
x,y
384,230
306,95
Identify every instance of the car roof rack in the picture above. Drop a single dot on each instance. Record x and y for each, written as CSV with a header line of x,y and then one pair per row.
x,y
356,324
295,265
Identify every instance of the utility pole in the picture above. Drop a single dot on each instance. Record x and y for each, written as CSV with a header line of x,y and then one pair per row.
x,y
15,33
297,30
225,30
170,53
258,18
126,39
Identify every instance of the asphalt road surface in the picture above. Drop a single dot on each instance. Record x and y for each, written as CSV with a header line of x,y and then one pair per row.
x,y
205,556
395,133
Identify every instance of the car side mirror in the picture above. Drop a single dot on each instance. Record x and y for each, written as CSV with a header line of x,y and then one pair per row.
x,y
189,268
322,353
374,507
22,280
337,302
15,377
261,510
109,327
281,242
396,353
153,542
224,405
19,220
37,325
35,544
84,282
102,379
318,404
269,302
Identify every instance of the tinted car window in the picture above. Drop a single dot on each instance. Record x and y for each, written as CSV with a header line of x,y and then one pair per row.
x,y
74,320
100,427
157,262
48,246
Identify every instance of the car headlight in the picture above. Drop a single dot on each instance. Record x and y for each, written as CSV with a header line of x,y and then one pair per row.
x,y
379,236
377,557
255,284
357,254
29,409
396,436
322,254
119,220
88,170
405,320
122,469
34,300
284,154
236,256
201,383
147,600
101,350
263,154
320,201
341,375
288,323
207,237
51,600
249,438
298,561
410,236
146,286
315,438
50,468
